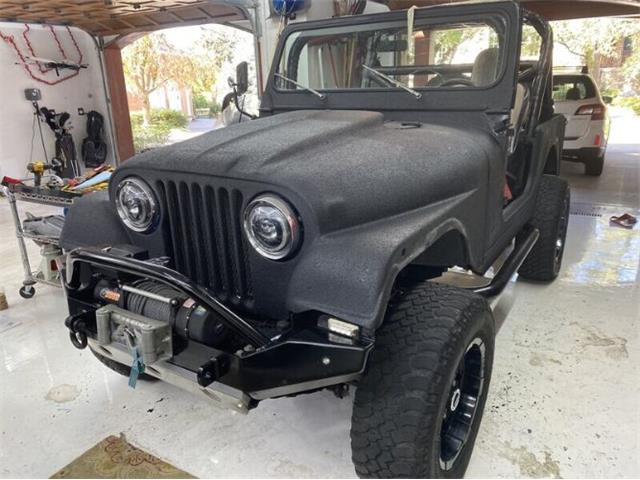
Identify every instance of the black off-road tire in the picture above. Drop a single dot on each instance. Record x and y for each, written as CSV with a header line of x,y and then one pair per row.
x,y
117,367
551,218
593,166
400,403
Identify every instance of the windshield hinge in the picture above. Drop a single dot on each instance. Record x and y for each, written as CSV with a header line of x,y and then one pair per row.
x,y
502,125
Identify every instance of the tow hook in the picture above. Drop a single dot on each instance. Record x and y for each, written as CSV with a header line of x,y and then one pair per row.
x,y
77,330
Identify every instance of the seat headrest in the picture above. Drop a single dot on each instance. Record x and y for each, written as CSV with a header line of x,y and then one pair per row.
x,y
485,67
573,94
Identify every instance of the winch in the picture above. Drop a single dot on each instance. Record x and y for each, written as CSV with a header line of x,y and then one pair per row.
x,y
154,301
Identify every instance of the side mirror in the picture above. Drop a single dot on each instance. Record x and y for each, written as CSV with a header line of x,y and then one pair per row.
x,y
242,78
608,100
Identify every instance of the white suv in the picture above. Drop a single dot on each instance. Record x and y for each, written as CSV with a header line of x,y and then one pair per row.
x,y
577,97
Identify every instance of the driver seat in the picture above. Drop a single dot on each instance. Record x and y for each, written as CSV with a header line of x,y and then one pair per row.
x,y
485,68
485,72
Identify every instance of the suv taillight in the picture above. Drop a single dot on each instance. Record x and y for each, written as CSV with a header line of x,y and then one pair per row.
x,y
596,111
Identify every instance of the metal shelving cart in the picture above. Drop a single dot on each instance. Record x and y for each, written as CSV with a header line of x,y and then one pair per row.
x,y
50,248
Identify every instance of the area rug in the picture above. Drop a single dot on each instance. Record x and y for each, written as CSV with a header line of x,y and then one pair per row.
x,y
114,457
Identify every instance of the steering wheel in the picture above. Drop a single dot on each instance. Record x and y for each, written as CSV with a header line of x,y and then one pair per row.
x,y
458,81
436,81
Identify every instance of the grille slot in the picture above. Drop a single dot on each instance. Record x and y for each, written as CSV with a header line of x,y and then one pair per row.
x,y
203,234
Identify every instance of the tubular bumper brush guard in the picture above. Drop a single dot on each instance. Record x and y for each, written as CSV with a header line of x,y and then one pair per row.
x,y
302,357
307,354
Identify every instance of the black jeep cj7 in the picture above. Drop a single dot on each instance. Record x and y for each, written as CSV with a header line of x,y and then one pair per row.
x,y
306,249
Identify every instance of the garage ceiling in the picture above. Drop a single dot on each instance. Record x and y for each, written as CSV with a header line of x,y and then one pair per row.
x,y
569,9
551,9
120,17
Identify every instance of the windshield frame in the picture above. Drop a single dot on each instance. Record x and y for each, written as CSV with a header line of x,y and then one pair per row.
x,y
504,16
489,21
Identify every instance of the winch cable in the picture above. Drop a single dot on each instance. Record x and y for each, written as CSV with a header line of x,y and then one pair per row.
x,y
150,307
187,318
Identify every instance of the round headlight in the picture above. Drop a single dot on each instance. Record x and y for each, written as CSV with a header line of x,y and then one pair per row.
x,y
272,227
136,204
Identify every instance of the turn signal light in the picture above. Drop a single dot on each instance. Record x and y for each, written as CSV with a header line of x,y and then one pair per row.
x,y
335,325
596,111
342,328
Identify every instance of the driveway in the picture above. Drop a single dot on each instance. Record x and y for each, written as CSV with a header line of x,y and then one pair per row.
x,y
196,127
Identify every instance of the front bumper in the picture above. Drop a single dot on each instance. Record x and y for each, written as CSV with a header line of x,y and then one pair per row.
x,y
221,394
302,358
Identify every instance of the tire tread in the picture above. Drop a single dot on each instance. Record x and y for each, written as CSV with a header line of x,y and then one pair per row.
x,y
540,263
397,403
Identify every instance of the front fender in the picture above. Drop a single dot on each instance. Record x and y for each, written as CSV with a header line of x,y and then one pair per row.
x,y
91,221
350,273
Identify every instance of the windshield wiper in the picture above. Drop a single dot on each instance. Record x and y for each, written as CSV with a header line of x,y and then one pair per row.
x,y
393,81
321,96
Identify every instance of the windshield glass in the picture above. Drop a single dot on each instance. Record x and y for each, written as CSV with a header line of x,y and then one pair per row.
x,y
457,55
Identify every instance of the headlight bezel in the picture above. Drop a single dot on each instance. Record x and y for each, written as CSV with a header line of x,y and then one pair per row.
x,y
153,213
293,236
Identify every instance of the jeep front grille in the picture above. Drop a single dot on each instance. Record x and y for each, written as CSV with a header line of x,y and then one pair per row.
x,y
203,233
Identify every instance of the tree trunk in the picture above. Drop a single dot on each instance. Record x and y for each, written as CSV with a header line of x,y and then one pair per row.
x,y
167,105
597,69
146,110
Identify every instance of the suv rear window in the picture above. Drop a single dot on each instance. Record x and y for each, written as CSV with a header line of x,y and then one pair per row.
x,y
572,87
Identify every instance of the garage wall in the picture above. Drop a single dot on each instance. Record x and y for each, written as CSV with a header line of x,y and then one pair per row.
x,y
16,114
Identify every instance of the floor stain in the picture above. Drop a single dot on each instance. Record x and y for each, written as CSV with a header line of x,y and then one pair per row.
x,y
614,347
287,468
539,359
63,393
529,464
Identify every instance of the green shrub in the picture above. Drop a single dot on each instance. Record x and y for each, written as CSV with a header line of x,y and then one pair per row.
x,y
214,108
161,116
170,118
156,134
149,137
610,92
201,102
628,102
136,119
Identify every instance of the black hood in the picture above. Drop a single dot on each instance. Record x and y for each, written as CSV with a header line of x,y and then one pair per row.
x,y
351,167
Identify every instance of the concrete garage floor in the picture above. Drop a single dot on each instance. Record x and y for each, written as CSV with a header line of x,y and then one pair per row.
x,y
564,401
